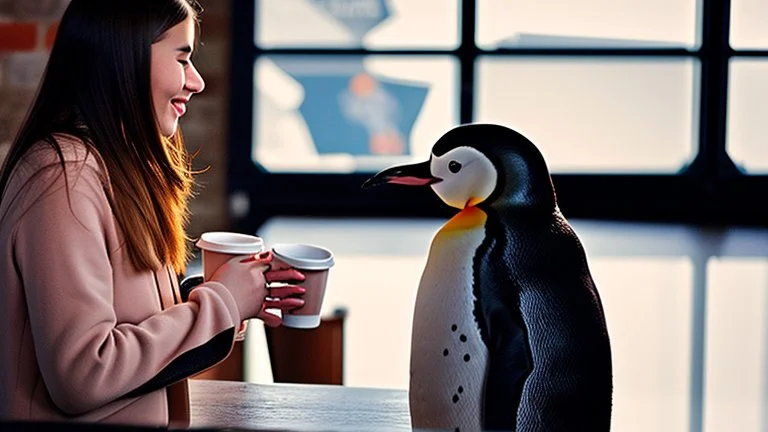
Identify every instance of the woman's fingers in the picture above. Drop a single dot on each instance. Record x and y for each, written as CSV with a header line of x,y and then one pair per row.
x,y
269,318
287,275
284,304
262,258
286,291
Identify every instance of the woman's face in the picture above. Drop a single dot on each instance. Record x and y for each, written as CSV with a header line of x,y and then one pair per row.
x,y
173,77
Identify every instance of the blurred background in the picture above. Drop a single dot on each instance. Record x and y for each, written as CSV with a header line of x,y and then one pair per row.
x,y
651,114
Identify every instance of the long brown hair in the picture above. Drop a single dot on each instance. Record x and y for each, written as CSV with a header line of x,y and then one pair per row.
x,y
96,87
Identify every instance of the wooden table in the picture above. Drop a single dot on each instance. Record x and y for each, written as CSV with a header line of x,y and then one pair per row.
x,y
297,407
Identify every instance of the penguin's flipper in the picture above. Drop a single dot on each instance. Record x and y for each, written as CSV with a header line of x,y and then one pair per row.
x,y
509,355
509,364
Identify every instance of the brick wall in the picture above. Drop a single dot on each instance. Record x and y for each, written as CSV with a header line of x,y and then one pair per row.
x,y
27,28
25,35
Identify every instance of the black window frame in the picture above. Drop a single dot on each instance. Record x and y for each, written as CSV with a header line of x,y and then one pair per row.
x,y
710,191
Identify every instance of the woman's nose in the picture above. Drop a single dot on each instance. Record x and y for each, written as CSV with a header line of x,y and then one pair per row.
x,y
195,82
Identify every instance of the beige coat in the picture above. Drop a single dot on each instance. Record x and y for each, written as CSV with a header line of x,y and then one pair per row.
x,y
84,336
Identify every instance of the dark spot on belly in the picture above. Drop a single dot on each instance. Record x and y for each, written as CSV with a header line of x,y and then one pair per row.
x,y
456,430
445,352
454,327
455,398
461,389
466,357
463,338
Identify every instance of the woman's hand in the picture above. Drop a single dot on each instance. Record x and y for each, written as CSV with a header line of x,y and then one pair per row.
x,y
247,279
281,296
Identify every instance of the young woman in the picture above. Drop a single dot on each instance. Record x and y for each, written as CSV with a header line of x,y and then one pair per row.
x,y
92,215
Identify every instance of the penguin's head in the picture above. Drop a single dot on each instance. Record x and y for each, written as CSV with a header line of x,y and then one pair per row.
x,y
478,164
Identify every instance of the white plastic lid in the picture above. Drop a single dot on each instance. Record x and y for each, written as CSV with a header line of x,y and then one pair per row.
x,y
304,256
230,243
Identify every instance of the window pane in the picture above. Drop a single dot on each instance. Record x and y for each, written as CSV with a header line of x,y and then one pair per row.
x,y
647,302
372,24
617,115
748,29
747,114
346,114
514,23
736,345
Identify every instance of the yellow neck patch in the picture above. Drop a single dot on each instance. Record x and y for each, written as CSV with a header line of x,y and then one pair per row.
x,y
467,219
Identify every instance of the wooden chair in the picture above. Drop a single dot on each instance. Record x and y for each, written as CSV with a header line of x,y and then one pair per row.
x,y
308,356
304,356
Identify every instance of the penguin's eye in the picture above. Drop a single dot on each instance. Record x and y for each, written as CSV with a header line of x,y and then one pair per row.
x,y
454,166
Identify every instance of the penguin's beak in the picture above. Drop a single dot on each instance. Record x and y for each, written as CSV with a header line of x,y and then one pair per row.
x,y
411,175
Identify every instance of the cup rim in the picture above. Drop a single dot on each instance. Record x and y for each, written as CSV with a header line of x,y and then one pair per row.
x,y
230,243
280,250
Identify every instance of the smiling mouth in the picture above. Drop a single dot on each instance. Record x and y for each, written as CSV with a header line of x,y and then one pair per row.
x,y
179,106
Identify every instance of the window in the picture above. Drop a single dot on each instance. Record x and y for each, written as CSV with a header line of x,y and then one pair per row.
x,y
372,24
646,110
602,126
641,122
748,18
747,114
735,397
593,23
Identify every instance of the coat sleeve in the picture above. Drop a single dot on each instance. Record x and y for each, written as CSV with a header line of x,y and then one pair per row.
x,y
88,359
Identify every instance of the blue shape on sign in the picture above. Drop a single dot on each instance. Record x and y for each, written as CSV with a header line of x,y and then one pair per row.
x,y
358,16
342,122
349,110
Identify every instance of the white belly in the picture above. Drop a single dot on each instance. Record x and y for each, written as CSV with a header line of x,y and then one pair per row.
x,y
448,357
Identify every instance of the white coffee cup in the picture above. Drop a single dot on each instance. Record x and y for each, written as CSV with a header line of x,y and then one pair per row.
x,y
314,263
219,247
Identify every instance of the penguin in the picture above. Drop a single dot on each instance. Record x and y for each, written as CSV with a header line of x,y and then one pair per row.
x,y
509,331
